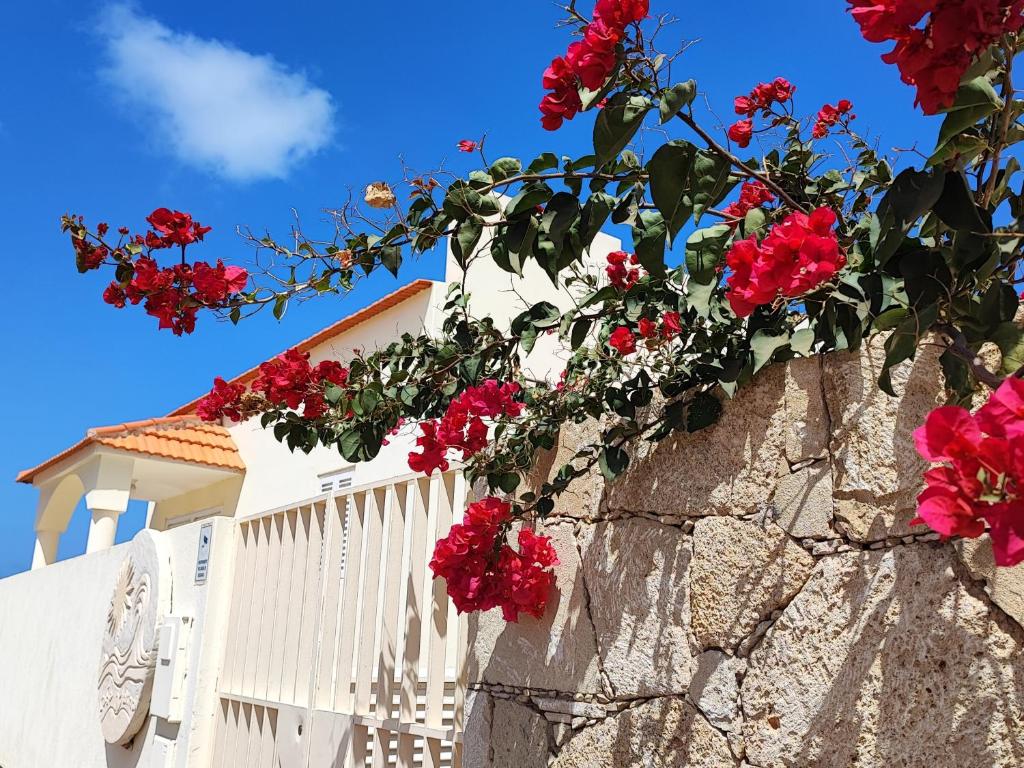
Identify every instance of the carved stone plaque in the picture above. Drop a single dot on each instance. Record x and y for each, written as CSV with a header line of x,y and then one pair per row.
x,y
141,599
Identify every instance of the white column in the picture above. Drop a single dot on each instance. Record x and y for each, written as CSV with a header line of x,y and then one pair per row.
x,y
108,487
102,530
46,548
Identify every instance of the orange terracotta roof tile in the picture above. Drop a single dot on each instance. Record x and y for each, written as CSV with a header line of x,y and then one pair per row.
x,y
179,438
381,305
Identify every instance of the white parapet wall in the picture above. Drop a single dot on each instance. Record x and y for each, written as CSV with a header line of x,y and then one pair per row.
x,y
52,625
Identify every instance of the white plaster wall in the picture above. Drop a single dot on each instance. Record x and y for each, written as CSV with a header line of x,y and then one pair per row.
x,y
51,628
276,477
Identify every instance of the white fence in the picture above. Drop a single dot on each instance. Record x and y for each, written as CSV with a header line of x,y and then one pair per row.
x,y
342,651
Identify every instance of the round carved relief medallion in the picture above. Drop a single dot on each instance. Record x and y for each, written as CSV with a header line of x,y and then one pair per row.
x,y
141,598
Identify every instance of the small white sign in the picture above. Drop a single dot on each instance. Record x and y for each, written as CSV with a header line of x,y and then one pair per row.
x,y
203,557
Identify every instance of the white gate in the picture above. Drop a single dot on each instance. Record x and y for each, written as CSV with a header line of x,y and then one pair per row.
x,y
342,651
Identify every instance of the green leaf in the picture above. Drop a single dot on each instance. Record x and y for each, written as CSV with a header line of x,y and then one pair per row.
x,y
649,236
506,481
975,101
669,171
911,195
466,238
613,462
1010,340
350,443
529,197
504,167
704,250
391,258
890,318
704,411
580,329
544,162
675,98
561,212
956,206
763,346
902,344
617,123
802,342
709,182
595,213
280,306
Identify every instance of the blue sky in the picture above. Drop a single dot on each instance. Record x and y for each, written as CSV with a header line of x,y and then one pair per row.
x,y
239,112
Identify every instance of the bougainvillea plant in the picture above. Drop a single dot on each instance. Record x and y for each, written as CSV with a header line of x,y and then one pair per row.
x,y
738,259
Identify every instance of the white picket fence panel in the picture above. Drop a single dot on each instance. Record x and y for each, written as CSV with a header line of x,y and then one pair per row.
x,y
342,650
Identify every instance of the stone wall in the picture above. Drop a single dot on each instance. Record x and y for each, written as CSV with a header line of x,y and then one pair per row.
x,y
753,595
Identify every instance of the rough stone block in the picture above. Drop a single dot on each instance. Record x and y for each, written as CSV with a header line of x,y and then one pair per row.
x,y
557,652
519,737
582,499
1004,585
740,573
715,689
636,572
476,734
728,468
876,469
663,733
887,658
803,503
807,419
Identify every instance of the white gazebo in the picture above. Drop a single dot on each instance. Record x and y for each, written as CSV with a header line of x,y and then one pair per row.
x,y
179,464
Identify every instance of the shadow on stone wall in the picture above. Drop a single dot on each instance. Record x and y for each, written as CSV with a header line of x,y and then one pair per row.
x,y
752,595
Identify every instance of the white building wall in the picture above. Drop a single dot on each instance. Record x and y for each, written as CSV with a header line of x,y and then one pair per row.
x,y
51,628
276,477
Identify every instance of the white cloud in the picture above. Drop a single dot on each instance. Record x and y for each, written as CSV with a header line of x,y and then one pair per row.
x,y
217,107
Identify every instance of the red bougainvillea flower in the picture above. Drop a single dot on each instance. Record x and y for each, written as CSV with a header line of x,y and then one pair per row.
x,y
462,426
221,402
87,255
175,227
621,269
936,40
483,572
467,146
648,328
114,295
213,284
671,325
741,132
763,96
432,451
796,257
589,62
980,474
622,341
753,194
828,116
1003,414
621,13
286,381
761,99
174,295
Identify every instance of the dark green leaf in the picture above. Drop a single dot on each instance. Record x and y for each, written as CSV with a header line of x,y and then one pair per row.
x,y
703,412
675,98
617,123
975,101
704,249
649,236
466,238
669,171
613,462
